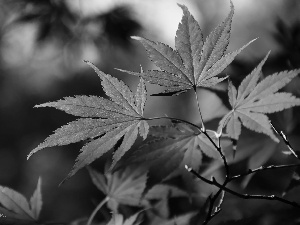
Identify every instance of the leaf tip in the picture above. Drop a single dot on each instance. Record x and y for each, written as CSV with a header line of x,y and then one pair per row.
x,y
183,7
38,148
231,6
30,154
39,181
253,40
64,180
120,70
89,63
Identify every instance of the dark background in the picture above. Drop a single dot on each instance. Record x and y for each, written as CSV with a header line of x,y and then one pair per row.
x,y
42,47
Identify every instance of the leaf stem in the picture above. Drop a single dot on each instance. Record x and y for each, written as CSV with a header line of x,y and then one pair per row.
x,y
99,206
198,105
176,119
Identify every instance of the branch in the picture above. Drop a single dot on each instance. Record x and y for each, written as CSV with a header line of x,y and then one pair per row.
x,y
218,147
284,138
262,168
243,196
176,119
210,213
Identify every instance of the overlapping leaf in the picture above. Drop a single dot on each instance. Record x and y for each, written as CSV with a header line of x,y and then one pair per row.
x,y
195,63
253,100
127,186
177,220
105,121
173,147
15,209
118,219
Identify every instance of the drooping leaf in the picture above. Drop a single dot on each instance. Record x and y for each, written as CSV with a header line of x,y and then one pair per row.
x,y
15,209
16,203
194,63
254,99
104,121
127,186
173,147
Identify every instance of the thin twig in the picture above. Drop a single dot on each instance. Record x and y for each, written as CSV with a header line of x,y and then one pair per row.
x,y
218,148
262,168
218,208
243,196
284,138
210,213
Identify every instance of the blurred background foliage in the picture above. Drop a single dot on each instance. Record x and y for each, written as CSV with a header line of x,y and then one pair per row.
x,y
42,47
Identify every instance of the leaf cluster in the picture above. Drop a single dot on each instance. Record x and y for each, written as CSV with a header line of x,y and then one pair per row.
x,y
149,176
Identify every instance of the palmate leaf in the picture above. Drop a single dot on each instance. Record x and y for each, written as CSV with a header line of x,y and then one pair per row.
x,y
173,146
127,186
252,100
15,209
104,121
122,187
195,63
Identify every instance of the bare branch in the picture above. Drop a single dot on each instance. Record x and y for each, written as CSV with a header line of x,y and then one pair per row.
x,y
286,141
262,168
243,196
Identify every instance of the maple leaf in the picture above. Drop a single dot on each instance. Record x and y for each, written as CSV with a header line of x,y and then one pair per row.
x,y
105,121
195,63
127,186
121,187
253,100
173,147
15,209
